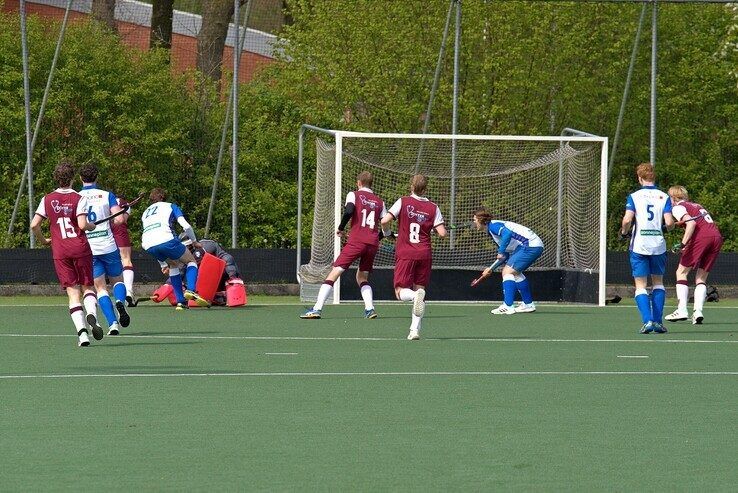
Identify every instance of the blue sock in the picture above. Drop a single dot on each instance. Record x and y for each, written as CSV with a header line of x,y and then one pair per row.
x,y
119,291
107,308
657,303
524,290
644,305
177,287
508,291
191,274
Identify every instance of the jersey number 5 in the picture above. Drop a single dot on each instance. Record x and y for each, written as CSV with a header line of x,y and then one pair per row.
x,y
66,228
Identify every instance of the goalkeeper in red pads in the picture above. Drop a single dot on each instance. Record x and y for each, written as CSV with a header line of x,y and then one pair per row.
x,y
364,209
416,218
699,247
66,211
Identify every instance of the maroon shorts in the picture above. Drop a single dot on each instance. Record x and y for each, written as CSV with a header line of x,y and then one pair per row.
x,y
409,272
352,251
701,252
74,271
120,233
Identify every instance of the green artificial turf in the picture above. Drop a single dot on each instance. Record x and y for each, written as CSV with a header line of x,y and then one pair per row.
x,y
567,398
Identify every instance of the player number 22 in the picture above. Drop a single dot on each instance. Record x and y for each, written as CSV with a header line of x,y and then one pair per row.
x,y
367,220
65,228
414,233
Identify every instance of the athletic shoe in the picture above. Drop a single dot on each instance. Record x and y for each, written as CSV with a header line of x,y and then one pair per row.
x,y
199,300
658,328
371,313
82,339
503,309
123,317
647,328
419,303
182,306
697,318
311,314
525,308
414,335
676,316
97,331
113,330
131,301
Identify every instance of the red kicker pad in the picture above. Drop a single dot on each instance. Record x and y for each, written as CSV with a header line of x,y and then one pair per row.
x,y
165,291
209,273
235,292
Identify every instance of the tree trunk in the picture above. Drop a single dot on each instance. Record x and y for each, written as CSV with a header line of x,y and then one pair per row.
x,y
104,11
216,16
161,24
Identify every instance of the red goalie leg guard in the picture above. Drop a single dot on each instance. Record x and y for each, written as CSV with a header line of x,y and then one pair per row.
x,y
209,274
165,291
236,293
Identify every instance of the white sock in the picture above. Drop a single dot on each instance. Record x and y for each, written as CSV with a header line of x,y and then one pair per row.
x,y
682,292
128,281
367,295
325,290
700,292
78,317
415,324
90,301
407,294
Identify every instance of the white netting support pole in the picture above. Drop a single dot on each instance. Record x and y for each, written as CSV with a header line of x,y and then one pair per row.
x,y
603,223
300,157
337,212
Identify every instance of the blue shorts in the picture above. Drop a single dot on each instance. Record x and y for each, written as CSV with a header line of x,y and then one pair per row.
x,y
172,250
645,265
107,264
523,257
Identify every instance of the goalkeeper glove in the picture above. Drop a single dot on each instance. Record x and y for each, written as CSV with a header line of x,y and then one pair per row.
x,y
677,247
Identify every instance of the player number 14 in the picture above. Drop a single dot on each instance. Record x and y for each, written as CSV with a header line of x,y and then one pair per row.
x,y
367,220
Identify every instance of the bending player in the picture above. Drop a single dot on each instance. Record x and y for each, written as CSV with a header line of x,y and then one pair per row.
x,y
66,211
159,240
364,209
518,246
105,256
123,240
700,246
646,211
416,218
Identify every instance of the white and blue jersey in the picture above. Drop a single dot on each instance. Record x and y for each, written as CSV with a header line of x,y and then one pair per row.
x,y
649,205
158,223
99,203
510,236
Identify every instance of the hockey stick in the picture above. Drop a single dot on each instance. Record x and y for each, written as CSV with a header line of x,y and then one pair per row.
x,y
496,264
123,210
461,226
692,218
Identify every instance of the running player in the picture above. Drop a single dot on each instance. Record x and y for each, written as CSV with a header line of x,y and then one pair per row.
x,y
159,240
66,211
364,209
646,211
416,218
519,247
699,249
105,256
123,240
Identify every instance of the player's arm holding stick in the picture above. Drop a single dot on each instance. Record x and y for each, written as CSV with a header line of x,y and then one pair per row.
x,y
121,211
499,262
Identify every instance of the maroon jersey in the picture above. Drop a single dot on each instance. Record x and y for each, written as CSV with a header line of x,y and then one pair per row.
x,y
416,218
704,225
368,212
61,207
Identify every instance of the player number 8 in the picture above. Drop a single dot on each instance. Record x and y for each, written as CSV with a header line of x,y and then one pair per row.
x,y
414,233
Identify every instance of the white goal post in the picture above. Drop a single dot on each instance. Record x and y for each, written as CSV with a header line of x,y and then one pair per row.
x,y
556,185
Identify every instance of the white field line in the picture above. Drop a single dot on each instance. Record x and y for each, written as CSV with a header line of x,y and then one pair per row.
x,y
375,374
632,356
645,340
281,354
394,339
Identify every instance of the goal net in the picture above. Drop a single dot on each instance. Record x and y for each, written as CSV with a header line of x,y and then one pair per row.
x,y
554,185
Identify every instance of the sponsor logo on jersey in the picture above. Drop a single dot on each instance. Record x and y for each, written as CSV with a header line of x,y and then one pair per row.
x,y
372,204
58,207
419,215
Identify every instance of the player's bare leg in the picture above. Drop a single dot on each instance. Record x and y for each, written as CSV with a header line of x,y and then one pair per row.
x,y
89,300
700,293
417,296
78,315
362,280
128,274
191,277
325,290
682,292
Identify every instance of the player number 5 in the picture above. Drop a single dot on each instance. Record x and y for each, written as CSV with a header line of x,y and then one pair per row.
x,y
65,228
